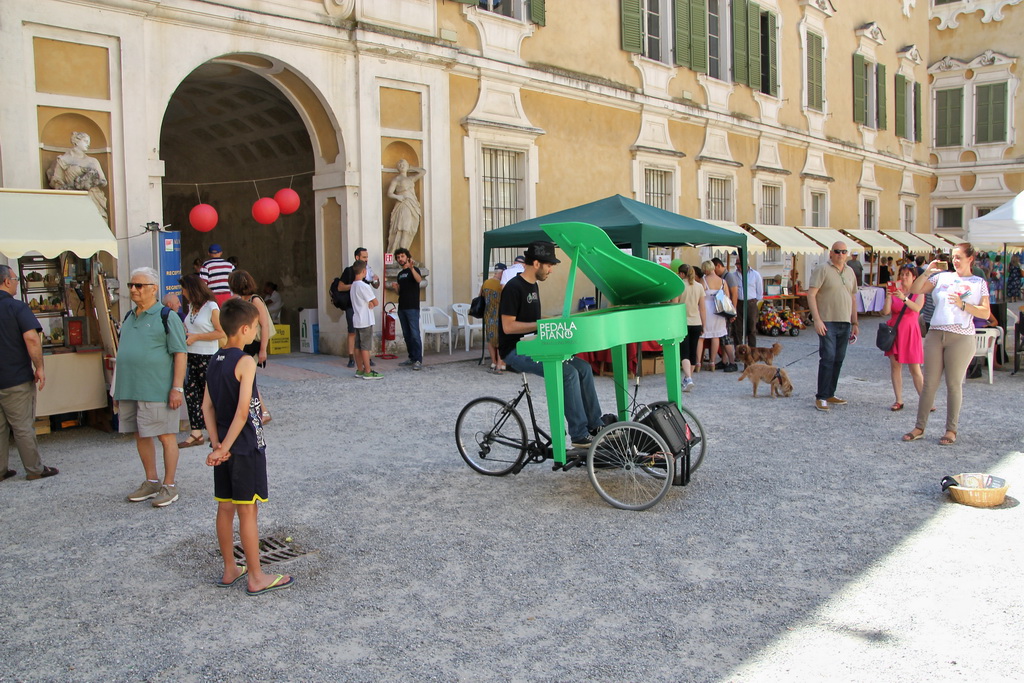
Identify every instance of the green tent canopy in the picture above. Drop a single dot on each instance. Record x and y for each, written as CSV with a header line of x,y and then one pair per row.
x,y
629,223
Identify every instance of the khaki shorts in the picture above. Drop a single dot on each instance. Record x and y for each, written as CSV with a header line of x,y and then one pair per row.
x,y
148,418
364,338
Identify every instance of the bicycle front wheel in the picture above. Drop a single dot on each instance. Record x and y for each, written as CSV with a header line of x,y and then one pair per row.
x,y
630,466
491,436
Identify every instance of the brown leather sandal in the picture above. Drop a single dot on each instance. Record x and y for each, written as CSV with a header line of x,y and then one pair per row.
x,y
946,441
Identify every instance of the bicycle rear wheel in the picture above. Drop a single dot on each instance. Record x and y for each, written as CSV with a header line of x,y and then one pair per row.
x,y
491,436
698,440
630,466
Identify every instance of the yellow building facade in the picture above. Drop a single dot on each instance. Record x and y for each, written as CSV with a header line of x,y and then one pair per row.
x,y
778,112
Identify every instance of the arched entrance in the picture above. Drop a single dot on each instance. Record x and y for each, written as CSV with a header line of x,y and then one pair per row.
x,y
238,128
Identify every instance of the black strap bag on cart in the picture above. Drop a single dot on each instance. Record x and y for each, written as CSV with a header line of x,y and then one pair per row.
x,y
665,419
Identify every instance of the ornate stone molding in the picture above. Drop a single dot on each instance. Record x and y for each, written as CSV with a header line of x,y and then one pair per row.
x,y
340,9
871,32
653,136
499,106
814,166
716,147
656,76
949,13
990,58
824,8
717,92
907,6
946,65
911,54
500,36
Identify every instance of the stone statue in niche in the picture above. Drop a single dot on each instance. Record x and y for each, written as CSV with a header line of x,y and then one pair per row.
x,y
405,217
75,170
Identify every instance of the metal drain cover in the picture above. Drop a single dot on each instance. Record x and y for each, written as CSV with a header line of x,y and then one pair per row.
x,y
272,549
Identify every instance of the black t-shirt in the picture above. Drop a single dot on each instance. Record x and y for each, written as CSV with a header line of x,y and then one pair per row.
x,y
16,318
521,299
408,289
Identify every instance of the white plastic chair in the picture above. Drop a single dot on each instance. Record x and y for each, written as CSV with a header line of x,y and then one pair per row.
x,y
435,321
985,345
464,324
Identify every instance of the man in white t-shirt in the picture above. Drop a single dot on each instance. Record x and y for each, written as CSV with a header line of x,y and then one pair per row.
x,y
514,270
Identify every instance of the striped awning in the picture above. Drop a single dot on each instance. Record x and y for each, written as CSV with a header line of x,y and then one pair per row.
x,y
875,241
826,237
940,243
754,245
913,243
783,237
51,222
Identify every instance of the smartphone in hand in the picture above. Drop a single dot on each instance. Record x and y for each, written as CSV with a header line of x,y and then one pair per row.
x,y
891,286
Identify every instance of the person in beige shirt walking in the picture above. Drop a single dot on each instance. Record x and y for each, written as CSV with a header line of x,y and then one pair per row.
x,y
831,298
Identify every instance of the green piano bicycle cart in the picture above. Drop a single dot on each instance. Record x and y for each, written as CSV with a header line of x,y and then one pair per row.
x,y
631,462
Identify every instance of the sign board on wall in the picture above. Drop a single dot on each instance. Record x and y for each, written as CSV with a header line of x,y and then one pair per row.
x,y
168,261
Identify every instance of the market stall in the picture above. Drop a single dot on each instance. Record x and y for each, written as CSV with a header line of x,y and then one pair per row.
x,y
50,238
911,242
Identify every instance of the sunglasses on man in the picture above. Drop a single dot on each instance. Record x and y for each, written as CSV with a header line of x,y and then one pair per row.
x,y
140,285
839,251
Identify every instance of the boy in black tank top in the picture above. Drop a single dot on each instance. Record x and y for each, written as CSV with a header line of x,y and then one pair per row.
x,y
232,411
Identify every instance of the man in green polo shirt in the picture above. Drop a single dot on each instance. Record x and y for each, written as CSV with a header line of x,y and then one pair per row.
x,y
149,384
832,300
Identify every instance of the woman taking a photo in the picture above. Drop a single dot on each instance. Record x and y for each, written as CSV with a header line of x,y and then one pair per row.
x,y
907,350
202,334
959,297
693,297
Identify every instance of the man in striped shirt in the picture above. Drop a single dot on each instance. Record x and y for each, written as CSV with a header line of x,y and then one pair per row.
x,y
215,273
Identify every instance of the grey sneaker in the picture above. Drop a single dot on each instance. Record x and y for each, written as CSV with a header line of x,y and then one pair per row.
x,y
148,489
168,494
417,365
406,363
687,383
372,374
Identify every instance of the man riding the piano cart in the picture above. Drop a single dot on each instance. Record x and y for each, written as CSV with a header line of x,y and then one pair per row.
x,y
632,461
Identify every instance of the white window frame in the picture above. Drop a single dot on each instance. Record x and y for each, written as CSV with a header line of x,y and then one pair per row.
x,y
905,206
671,184
724,55
908,109
864,198
947,228
759,188
772,257
812,187
517,11
706,176
664,11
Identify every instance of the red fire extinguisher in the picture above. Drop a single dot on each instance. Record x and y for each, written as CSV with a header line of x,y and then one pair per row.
x,y
387,332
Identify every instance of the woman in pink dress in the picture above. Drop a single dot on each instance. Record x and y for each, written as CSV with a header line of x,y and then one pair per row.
x,y
908,349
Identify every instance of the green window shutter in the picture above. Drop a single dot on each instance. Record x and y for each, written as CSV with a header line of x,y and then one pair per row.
x,y
917,112
990,113
698,34
537,14
773,56
860,88
754,45
632,26
899,93
740,73
467,2
815,85
682,33
948,117
880,98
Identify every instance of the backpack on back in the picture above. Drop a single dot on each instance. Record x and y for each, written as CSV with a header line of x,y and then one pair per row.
x,y
342,300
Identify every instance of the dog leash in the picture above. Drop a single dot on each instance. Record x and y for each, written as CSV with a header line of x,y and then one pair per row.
x,y
800,359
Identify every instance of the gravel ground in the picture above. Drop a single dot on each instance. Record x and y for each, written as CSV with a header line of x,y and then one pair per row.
x,y
807,546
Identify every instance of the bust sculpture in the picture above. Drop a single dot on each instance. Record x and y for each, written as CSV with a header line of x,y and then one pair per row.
x,y
405,217
75,170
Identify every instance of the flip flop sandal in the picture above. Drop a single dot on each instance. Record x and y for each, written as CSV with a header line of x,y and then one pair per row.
x,y
910,436
245,571
276,584
265,417
896,406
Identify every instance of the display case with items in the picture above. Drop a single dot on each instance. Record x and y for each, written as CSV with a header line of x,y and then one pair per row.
x,y
42,288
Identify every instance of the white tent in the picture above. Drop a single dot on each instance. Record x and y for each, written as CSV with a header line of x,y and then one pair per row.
x,y
1004,225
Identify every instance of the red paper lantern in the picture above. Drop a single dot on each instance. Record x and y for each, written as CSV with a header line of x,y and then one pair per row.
x,y
203,217
265,211
288,200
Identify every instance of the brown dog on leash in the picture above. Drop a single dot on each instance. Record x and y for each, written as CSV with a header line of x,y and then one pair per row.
x,y
777,378
749,355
